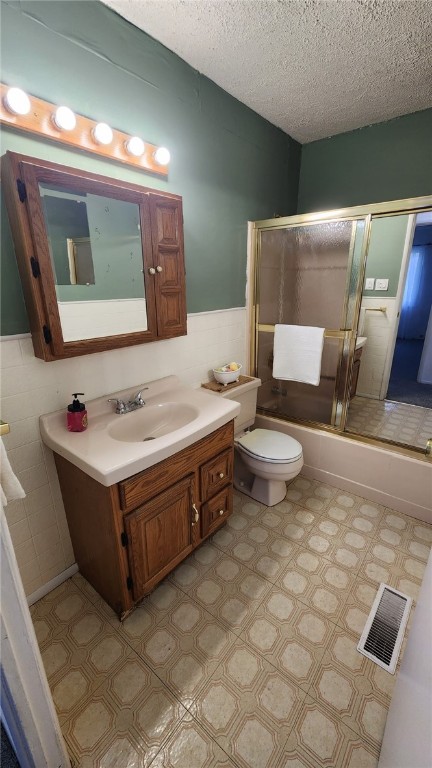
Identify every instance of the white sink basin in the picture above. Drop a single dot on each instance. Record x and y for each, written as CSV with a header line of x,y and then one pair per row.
x,y
152,422
115,446
360,341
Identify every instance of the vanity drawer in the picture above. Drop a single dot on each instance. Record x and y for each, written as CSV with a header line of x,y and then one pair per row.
x,y
216,511
216,473
145,485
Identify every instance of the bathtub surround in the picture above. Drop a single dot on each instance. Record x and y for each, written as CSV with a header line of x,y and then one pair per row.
x,y
382,476
30,387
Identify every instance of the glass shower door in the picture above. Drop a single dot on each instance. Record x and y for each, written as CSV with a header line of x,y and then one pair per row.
x,y
309,274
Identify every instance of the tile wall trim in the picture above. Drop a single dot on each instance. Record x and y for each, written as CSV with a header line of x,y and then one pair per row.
x,y
52,584
15,336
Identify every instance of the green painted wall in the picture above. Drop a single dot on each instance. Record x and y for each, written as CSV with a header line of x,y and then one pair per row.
x,y
384,259
387,161
116,252
229,164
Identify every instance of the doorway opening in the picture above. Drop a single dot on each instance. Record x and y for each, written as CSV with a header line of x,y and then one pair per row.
x,y
411,372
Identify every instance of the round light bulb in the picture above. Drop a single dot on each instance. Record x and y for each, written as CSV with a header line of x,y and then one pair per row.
x,y
17,102
162,156
102,134
135,146
64,119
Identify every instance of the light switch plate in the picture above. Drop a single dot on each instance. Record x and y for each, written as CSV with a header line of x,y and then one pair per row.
x,y
369,283
381,284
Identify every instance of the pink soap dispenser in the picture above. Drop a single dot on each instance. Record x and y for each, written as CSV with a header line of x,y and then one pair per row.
x,y
76,415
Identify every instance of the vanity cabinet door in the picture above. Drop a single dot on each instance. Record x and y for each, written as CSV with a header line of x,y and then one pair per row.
x,y
160,534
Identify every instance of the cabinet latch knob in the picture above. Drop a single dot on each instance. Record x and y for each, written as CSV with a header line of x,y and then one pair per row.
x,y
221,475
221,511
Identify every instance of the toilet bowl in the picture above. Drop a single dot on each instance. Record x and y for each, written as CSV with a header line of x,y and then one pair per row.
x,y
265,460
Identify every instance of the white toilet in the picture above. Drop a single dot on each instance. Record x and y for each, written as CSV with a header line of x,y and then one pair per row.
x,y
264,459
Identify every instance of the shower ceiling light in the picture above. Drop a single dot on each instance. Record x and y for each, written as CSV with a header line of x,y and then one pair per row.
x,y
17,102
64,119
135,146
102,134
162,156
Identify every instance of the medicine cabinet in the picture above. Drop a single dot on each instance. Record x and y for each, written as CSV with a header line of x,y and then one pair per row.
x,y
101,260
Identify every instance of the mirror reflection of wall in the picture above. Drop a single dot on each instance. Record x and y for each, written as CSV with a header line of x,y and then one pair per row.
x,y
96,252
66,221
81,270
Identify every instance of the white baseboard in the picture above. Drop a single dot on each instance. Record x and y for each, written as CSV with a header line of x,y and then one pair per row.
x,y
50,585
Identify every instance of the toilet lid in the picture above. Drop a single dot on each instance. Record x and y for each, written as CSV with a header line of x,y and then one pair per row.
x,y
269,445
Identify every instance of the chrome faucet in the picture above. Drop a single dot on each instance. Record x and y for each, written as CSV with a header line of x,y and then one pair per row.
x,y
131,405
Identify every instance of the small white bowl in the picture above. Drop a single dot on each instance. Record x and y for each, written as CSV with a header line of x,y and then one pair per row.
x,y
226,376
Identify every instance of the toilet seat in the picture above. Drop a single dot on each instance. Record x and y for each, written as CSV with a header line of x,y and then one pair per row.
x,y
270,446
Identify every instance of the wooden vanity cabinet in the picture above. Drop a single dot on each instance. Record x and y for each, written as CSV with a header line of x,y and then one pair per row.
x,y
129,536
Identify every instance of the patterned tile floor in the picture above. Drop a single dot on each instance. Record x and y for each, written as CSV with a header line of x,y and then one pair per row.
x,y
409,424
246,655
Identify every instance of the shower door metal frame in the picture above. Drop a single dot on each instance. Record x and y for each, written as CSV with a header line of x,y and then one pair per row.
x,y
345,335
366,213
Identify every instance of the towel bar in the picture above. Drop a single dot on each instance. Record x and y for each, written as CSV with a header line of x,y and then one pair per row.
x,y
329,334
4,428
376,309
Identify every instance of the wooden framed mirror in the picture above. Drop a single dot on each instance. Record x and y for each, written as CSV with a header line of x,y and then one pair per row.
x,y
101,260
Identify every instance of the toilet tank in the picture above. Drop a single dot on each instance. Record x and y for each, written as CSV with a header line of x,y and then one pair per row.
x,y
246,395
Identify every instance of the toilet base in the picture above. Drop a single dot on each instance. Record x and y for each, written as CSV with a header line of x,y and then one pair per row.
x,y
268,492
270,488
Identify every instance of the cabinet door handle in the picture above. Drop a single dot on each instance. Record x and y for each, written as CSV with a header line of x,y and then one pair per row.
x,y
195,515
152,271
221,475
158,269
221,511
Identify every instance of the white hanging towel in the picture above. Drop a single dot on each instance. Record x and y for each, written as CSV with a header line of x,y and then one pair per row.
x,y
297,353
10,486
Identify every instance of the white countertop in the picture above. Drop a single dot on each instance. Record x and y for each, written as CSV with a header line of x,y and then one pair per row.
x,y
109,460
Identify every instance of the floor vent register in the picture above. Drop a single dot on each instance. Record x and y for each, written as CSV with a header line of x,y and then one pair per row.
x,y
382,636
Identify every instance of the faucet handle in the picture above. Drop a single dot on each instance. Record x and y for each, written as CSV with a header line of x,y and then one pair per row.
x,y
120,404
138,399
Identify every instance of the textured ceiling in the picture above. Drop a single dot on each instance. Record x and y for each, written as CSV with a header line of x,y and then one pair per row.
x,y
312,67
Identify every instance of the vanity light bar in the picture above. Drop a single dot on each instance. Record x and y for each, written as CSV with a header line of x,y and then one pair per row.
x,y
62,125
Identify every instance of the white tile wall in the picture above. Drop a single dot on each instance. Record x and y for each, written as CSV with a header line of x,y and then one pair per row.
x,y
379,329
31,387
